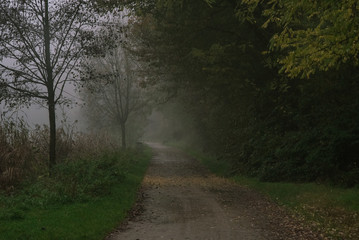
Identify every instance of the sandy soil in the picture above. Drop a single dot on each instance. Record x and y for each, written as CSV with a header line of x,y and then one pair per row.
x,y
182,200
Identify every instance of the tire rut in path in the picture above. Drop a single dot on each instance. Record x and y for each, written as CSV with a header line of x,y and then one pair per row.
x,y
184,201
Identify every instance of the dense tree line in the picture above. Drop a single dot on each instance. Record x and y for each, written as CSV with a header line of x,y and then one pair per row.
x,y
272,85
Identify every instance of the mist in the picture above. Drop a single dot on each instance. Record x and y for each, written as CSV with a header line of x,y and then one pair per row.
x,y
37,114
171,123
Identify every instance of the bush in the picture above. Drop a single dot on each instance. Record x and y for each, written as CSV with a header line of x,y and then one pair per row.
x,y
89,177
75,181
325,155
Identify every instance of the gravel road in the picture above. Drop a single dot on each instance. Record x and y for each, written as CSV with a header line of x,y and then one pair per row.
x,y
183,200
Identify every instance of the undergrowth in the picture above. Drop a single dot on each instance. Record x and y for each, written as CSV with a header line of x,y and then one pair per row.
x,y
83,199
24,151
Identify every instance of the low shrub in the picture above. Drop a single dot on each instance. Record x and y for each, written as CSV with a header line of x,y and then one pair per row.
x,y
72,181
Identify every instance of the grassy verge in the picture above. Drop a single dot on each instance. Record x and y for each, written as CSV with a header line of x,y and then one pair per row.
x,y
329,209
85,199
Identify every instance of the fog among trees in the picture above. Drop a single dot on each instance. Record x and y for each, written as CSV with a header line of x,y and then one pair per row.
x,y
269,88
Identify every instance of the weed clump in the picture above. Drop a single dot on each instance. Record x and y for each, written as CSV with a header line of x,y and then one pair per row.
x,y
71,182
24,151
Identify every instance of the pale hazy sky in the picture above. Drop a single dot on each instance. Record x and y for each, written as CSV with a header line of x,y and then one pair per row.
x,y
37,114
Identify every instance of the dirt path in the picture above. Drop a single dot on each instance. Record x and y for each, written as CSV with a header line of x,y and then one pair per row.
x,y
184,201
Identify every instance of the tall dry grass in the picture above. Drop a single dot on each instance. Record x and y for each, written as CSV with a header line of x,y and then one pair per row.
x,y
16,153
24,152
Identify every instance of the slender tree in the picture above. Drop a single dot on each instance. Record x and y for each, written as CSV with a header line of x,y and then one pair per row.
x,y
113,91
40,46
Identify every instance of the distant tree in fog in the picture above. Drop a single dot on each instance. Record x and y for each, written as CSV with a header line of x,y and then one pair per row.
x,y
112,91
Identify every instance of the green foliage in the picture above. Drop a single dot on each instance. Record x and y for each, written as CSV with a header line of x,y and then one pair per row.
x,y
76,181
89,176
314,35
83,200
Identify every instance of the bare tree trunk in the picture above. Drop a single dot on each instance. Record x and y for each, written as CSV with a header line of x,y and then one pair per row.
x,y
50,89
52,122
123,135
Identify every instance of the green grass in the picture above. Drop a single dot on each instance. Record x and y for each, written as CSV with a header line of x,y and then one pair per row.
x,y
90,214
332,210
293,194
